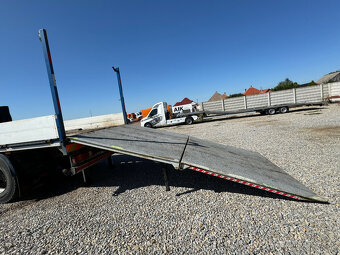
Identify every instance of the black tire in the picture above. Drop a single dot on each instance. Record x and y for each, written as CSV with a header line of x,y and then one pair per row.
x,y
283,109
148,125
189,120
9,188
271,111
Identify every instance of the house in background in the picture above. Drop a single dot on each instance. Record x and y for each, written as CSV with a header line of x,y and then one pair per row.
x,y
217,96
185,101
328,78
254,91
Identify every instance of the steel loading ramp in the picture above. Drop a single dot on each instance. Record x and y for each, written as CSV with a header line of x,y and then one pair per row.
x,y
182,151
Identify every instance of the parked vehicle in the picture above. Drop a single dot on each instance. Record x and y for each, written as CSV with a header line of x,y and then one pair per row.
x,y
185,108
161,115
273,102
145,112
132,117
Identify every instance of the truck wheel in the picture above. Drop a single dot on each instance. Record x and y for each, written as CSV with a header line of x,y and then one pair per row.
x,y
271,111
148,125
283,109
189,120
9,188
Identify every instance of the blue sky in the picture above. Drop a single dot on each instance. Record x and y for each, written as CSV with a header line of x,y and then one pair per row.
x,y
166,50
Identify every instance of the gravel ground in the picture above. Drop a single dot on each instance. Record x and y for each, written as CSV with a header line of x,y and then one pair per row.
x,y
127,211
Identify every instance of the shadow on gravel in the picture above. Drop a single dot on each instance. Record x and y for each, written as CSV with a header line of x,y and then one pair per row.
x,y
131,173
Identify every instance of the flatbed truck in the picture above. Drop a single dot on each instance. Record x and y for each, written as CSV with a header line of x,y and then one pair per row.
x,y
31,146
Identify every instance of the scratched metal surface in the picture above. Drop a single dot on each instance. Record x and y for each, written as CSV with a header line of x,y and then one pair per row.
x,y
143,142
168,147
244,165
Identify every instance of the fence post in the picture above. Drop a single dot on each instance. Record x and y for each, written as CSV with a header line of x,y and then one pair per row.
x,y
294,95
245,102
269,102
223,109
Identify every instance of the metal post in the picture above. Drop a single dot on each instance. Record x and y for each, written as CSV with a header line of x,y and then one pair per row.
x,y
223,108
54,90
165,175
245,102
121,94
321,91
294,95
269,101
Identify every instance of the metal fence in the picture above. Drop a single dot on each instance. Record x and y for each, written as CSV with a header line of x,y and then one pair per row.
x,y
305,95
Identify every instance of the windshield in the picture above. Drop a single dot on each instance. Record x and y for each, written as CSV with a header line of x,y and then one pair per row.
x,y
153,112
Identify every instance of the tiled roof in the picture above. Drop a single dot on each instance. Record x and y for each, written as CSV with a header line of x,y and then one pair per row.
x,y
251,91
217,96
254,91
184,101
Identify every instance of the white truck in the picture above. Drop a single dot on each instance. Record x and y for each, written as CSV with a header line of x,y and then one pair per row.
x,y
162,115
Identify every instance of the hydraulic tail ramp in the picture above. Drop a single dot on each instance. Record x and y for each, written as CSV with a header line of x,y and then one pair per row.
x,y
182,151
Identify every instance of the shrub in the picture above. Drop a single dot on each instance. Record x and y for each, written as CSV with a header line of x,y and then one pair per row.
x,y
286,84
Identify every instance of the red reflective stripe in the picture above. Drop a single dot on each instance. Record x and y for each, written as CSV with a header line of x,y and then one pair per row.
x,y
246,183
49,57
58,105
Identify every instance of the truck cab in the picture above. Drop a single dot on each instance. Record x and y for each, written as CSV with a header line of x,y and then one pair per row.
x,y
161,115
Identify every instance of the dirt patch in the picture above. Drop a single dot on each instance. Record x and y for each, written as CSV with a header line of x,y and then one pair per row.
x,y
329,131
272,122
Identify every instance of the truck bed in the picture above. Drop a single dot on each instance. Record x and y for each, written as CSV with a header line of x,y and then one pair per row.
x,y
42,132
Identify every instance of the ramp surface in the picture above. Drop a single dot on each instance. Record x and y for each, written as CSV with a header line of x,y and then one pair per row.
x,y
184,151
146,143
242,165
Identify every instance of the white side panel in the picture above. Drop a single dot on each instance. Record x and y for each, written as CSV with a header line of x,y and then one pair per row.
x,y
335,91
28,130
102,121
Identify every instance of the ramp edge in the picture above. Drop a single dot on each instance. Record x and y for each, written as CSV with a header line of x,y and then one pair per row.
x,y
315,198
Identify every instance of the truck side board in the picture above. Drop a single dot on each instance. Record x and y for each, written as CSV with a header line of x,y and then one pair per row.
x,y
28,130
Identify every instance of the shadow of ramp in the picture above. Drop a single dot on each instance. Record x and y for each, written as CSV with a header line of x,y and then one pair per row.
x,y
132,173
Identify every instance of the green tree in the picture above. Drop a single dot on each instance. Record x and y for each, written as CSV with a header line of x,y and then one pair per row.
x,y
312,83
286,84
236,95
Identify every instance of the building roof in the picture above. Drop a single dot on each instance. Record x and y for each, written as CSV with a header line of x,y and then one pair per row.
x,y
331,77
217,96
266,91
255,91
184,101
251,91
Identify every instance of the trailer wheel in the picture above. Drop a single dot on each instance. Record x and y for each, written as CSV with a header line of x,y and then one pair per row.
x,y
283,109
148,125
271,111
9,188
189,120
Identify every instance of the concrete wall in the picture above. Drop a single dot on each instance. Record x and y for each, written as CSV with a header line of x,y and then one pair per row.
x,y
305,95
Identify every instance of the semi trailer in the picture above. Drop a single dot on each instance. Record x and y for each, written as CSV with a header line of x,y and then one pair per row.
x,y
29,147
